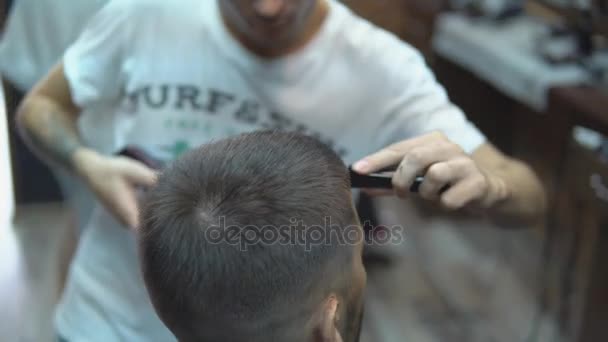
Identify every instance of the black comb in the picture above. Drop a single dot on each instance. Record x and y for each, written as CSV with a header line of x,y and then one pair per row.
x,y
141,156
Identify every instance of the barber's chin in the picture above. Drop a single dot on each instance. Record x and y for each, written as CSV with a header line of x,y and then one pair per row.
x,y
269,35
272,40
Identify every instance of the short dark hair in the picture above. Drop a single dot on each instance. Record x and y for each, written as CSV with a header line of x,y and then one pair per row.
x,y
264,179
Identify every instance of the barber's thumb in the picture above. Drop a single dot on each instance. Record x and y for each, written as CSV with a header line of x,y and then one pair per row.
x,y
140,174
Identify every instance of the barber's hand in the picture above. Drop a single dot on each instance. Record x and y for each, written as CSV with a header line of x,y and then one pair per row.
x,y
114,181
443,165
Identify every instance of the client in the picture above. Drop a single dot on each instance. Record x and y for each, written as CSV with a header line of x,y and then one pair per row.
x,y
255,238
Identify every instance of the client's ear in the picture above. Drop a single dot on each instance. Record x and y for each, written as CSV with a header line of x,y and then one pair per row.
x,y
326,329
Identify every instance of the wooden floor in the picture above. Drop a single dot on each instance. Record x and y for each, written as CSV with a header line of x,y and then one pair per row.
x,y
442,288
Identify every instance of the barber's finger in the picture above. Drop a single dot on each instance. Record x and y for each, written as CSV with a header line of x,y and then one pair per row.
x,y
138,173
393,154
123,203
464,192
440,176
436,178
417,161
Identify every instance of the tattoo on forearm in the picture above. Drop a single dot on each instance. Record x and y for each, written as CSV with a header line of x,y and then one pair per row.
x,y
56,137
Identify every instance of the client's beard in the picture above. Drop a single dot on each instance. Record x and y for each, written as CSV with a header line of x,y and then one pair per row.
x,y
354,320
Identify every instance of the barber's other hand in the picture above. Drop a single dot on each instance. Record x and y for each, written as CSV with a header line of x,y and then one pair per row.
x,y
443,163
114,181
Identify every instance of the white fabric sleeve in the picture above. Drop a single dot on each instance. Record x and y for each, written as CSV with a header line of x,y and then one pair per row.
x,y
93,65
417,104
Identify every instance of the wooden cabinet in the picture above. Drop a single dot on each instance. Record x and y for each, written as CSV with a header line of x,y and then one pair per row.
x,y
575,281
582,213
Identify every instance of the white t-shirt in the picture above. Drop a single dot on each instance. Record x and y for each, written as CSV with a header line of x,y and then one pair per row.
x,y
167,76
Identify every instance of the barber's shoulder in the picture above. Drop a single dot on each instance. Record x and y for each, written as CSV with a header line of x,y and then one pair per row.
x,y
381,51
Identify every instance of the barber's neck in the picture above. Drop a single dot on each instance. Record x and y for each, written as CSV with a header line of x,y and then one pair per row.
x,y
306,35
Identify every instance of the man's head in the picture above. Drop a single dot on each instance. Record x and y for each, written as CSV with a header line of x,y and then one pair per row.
x,y
272,24
255,238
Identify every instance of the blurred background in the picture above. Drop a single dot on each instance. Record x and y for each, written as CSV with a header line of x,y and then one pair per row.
x,y
533,75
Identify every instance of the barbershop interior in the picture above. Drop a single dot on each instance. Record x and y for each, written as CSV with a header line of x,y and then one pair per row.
x,y
304,170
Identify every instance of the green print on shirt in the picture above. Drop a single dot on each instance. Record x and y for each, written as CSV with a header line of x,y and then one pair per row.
x,y
178,148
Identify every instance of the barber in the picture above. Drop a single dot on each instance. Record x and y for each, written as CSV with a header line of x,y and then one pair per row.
x,y
167,76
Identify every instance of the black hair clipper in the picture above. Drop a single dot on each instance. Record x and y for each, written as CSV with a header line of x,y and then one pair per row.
x,y
379,180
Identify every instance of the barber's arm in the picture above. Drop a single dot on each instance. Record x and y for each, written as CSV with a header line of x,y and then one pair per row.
x,y
47,120
88,76
504,188
424,133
